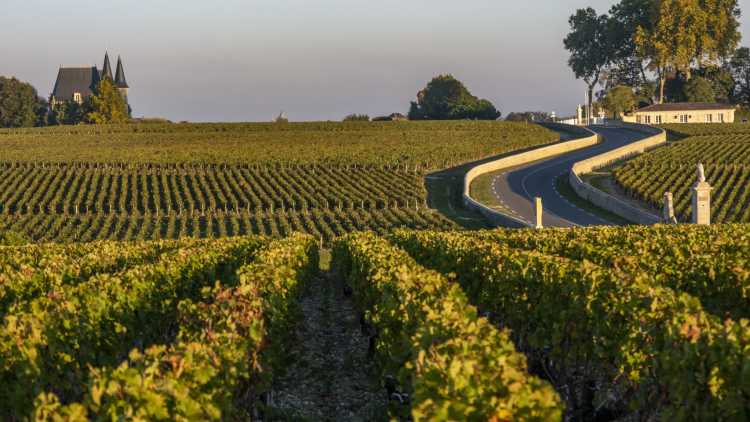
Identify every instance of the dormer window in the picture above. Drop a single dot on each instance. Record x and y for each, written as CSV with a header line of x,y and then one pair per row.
x,y
77,97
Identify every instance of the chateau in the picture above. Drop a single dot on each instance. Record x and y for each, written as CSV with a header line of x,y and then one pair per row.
x,y
78,83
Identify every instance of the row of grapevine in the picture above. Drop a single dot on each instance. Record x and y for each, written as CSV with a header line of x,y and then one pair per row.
x,y
672,168
615,345
422,145
448,363
49,343
35,270
224,354
163,191
710,263
322,224
700,129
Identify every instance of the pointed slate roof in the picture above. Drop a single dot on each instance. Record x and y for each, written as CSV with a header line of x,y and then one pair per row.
x,y
70,80
107,69
120,81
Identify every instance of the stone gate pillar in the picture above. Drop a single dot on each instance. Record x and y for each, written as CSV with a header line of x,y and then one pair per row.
x,y
702,199
668,215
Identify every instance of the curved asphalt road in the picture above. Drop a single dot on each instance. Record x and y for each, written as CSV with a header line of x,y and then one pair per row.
x,y
517,187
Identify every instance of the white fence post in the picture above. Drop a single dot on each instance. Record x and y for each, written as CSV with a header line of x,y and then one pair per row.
x,y
538,212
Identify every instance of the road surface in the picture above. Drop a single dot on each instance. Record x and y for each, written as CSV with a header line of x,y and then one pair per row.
x,y
517,187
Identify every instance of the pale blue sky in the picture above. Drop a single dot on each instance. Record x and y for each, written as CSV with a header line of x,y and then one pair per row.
x,y
246,60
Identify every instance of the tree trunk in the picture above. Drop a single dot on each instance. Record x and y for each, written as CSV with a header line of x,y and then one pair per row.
x,y
643,72
662,82
590,109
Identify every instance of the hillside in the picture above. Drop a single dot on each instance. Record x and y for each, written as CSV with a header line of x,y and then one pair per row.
x,y
211,180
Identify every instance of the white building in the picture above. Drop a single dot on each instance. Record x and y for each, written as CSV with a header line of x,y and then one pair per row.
x,y
658,114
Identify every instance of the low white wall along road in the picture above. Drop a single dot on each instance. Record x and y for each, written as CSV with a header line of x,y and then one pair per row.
x,y
606,201
625,142
497,217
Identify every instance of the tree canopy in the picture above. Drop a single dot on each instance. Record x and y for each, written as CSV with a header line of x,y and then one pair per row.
x,y
591,48
740,68
619,100
107,105
357,118
529,116
446,98
699,90
670,39
20,106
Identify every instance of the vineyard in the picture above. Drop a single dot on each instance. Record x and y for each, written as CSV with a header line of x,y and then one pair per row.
x,y
724,150
492,325
159,181
618,335
157,331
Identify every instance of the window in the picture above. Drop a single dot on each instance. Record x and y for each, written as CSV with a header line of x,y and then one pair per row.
x,y
77,97
638,119
683,118
658,119
721,117
709,118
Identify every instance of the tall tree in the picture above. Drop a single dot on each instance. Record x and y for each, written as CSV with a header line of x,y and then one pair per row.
x,y
670,42
740,68
446,98
108,106
719,35
590,46
625,18
680,33
19,104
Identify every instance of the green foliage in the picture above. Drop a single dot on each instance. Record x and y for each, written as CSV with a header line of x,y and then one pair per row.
x,y
89,324
429,145
451,364
683,32
28,269
357,118
20,106
10,238
740,69
627,68
446,98
529,116
721,80
230,337
652,352
151,181
591,47
107,105
619,100
68,113
699,90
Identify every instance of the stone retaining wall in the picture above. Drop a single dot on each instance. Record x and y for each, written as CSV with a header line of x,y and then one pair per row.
x,y
499,218
658,137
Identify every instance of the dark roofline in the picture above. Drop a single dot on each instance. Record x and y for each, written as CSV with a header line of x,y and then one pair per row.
x,y
667,107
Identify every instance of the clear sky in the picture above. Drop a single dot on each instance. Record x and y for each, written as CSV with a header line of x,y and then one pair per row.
x,y
246,60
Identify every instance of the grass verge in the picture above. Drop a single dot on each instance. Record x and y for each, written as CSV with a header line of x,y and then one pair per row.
x,y
563,188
